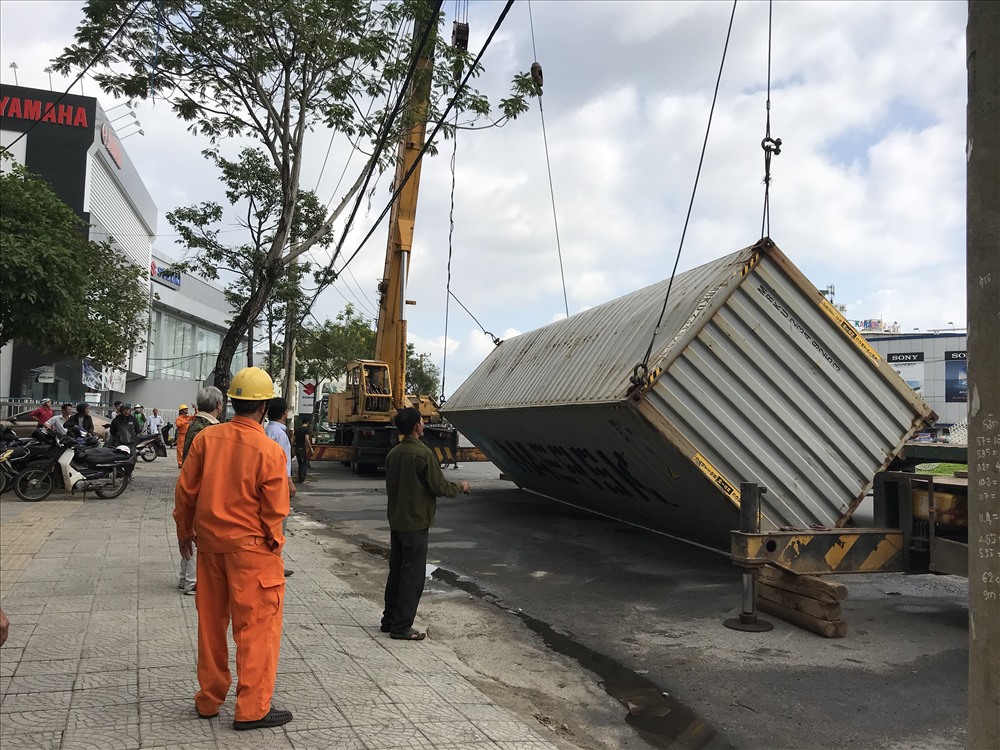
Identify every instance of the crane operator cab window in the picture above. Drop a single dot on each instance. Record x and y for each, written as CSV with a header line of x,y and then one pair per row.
x,y
369,388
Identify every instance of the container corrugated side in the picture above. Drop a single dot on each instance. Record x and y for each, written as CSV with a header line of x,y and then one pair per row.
x,y
589,357
756,378
771,390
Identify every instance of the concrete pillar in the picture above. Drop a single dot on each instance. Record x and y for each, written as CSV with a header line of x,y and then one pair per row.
x,y
983,280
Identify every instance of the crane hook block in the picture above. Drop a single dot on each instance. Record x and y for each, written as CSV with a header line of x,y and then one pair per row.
x,y
536,76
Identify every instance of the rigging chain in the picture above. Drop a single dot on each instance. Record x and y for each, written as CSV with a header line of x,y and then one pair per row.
x,y
640,373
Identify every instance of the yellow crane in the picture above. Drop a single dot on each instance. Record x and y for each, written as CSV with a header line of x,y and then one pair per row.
x,y
376,388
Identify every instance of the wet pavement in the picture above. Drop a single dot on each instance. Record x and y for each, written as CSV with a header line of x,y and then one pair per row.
x,y
101,653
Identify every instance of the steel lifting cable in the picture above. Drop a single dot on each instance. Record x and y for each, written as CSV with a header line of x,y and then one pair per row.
x,y
771,146
640,373
460,40
536,76
497,341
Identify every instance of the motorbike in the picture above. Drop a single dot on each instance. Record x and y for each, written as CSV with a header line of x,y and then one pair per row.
x,y
17,453
79,467
151,446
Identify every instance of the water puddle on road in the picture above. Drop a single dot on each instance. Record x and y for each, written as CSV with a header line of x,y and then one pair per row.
x,y
659,718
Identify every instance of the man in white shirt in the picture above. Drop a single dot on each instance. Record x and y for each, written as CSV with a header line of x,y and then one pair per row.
x,y
154,423
277,429
57,422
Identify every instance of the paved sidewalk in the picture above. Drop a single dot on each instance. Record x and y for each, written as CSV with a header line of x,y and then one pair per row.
x,y
101,652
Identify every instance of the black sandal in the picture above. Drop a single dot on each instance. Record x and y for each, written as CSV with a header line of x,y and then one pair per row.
x,y
408,635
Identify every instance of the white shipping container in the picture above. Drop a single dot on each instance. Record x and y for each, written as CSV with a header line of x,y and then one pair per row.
x,y
753,376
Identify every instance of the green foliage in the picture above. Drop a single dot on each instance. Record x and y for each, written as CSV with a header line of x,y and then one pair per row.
x,y
62,291
269,71
423,377
253,189
324,350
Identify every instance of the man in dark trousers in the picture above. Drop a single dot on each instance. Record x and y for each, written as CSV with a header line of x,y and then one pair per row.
x,y
414,481
303,449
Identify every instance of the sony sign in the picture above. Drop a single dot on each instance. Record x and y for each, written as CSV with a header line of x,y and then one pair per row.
x,y
164,275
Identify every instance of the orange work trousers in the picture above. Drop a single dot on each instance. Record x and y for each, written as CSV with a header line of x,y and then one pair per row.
x,y
247,586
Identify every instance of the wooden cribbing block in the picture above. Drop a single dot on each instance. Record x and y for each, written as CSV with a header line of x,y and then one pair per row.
x,y
806,601
826,628
803,604
807,586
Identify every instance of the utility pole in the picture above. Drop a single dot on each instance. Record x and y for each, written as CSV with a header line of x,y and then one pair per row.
x,y
290,389
983,294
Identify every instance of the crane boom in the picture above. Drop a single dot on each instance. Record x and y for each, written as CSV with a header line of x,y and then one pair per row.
x,y
390,339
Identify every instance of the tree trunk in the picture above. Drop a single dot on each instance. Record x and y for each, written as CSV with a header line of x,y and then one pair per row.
x,y
241,323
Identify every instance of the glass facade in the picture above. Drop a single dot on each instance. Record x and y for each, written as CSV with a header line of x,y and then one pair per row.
x,y
181,350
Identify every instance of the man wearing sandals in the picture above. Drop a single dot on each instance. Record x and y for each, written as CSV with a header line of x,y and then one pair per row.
x,y
413,481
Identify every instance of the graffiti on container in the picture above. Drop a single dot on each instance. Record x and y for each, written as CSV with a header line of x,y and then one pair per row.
x,y
580,466
799,327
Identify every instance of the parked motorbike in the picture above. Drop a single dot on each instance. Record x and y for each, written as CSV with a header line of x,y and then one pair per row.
x,y
151,446
81,468
16,454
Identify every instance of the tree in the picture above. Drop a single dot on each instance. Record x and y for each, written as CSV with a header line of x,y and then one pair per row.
x,y
61,291
253,190
325,350
423,377
269,71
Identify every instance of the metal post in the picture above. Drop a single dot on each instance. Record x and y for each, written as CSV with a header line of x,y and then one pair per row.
x,y
749,524
983,295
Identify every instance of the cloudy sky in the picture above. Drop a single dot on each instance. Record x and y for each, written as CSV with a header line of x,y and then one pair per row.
x,y
868,193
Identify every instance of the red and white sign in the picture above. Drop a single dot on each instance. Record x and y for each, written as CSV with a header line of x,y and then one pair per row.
x,y
111,144
307,397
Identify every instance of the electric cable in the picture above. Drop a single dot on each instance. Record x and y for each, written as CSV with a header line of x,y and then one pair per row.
x,y
380,145
51,107
428,141
641,371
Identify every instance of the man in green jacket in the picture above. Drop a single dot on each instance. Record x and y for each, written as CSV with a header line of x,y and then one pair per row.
x,y
414,481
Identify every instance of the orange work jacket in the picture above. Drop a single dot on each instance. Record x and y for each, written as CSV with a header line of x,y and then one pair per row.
x,y
183,422
232,493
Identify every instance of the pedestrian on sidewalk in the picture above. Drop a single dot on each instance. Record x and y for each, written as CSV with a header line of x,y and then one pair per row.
x,y
209,403
231,498
303,448
182,423
413,481
277,429
155,423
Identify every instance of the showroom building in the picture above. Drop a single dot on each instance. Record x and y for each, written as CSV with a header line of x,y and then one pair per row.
x,y
71,142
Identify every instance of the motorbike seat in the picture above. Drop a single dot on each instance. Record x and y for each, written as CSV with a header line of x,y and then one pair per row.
x,y
98,456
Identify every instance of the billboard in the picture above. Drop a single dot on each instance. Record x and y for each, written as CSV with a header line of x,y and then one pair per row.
x,y
956,377
910,367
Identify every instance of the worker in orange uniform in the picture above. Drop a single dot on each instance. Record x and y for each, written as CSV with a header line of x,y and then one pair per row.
x,y
231,498
183,422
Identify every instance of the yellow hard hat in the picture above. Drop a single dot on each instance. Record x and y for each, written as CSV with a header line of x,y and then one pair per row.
x,y
252,384
182,407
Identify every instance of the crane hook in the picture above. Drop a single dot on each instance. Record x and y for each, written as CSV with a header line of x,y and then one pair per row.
x,y
536,75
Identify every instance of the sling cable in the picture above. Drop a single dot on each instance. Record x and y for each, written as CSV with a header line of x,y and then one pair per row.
x,y
537,78
641,377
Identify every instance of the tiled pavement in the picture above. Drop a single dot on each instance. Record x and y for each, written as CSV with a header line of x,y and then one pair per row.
x,y
101,653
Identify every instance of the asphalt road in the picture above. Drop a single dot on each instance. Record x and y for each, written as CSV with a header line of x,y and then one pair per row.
x,y
641,614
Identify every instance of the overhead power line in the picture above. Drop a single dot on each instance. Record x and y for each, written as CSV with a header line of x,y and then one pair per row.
x,y
428,141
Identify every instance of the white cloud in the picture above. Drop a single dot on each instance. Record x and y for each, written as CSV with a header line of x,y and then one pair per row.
x,y
867,194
